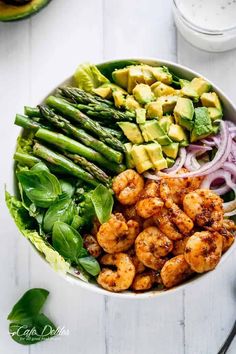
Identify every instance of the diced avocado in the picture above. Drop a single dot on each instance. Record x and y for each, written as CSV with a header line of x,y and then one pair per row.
x,y
177,133
140,115
183,112
132,132
188,91
171,150
200,85
119,99
215,128
155,154
165,122
210,99
131,104
162,74
120,77
17,10
152,131
167,103
202,124
184,143
170,162
135,76
104,92
154,110
148,76
183,82
128,158
141,158
214,113
143,93
161,89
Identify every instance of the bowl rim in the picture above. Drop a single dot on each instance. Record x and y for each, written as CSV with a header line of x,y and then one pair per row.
x,y
73,279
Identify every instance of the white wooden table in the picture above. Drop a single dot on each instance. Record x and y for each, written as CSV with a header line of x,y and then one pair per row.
x,y
36,55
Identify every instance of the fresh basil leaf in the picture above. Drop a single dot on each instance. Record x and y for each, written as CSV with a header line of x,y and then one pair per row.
x,y
67,241
41,187
103,202
36,330
90,264
67,186
40,166
29,305
62,210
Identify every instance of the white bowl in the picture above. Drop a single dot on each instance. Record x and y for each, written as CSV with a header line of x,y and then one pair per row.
x,y
229,114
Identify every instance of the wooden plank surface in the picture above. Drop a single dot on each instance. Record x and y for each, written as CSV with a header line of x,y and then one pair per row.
x,y
35,56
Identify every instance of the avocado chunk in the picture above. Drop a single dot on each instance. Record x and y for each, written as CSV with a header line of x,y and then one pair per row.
x,y
155,154
165,122
202,124
183,82
135,76
171,150
184,143
177,133
170,162
148,76
10,12
154,110
214,113
141,158
104,92
183,112
119,99
162,74
167,103
131,104
132,132
143,93
120,77
152,131
190,92
161,89
210,99
128,158
140,115
200,85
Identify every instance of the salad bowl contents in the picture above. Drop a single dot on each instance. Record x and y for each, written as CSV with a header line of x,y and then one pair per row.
x,y
126,177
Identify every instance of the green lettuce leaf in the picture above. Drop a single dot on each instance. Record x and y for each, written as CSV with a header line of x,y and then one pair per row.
x,y
87,77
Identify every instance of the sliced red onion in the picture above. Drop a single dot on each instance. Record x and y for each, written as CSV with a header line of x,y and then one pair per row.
x,y
230,213
208,141
231,167
151,176
220,174
198,148
179,163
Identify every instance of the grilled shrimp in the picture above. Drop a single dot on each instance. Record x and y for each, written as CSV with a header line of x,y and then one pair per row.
x,y
151,189
143,281
179,187
117,235
139,266
130,212
119,279
205,208
179,246
148,207
179,218
175,271
165,224
151,247
92,246
203,250
228,234
127,187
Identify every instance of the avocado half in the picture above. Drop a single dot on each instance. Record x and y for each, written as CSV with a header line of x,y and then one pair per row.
x,y
13,10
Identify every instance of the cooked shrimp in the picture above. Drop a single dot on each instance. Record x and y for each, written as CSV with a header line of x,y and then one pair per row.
x,y
179,187
95,228
120,279
130,212
127,187
228,234
139,266
175,271
148,207
143,281
179,218
203,250
151,189
117,235
149,222
165,224
152,246
179,246
205,208
92,246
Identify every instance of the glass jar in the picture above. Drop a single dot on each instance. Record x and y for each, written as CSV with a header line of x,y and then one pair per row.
x,y
207,24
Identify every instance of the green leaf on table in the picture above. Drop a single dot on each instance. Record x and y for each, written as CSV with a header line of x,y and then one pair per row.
x,y
87,77
67,186
102,200
90,264
67,241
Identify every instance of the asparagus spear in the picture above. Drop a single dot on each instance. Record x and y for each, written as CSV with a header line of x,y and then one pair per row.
x,y
87,123
28,123
106,113
61,161
81,135
81,96
32,111
117,134
26,159
99,174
